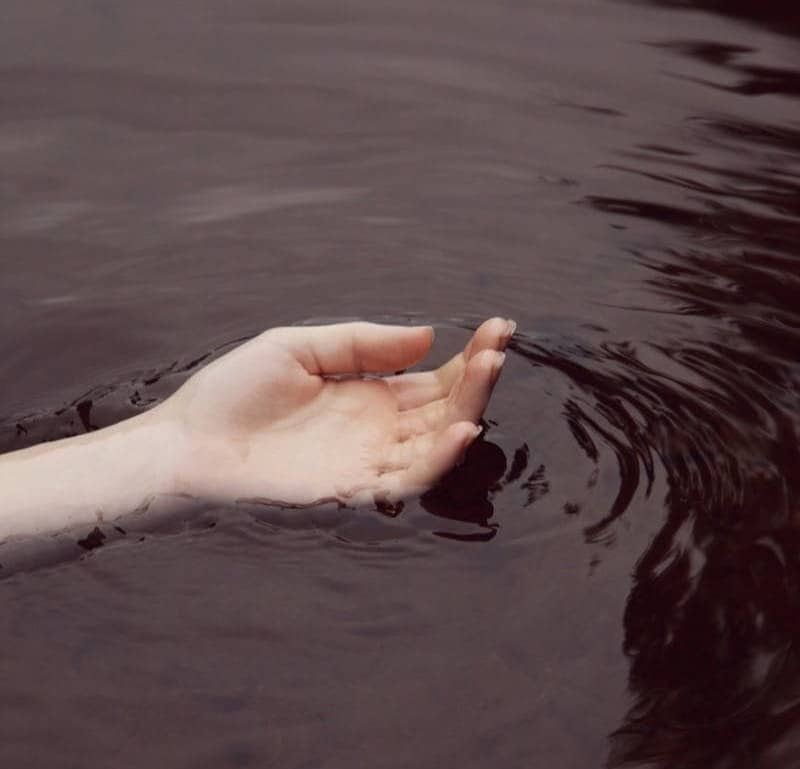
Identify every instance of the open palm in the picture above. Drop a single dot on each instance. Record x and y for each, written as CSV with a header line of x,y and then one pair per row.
x,y
298,415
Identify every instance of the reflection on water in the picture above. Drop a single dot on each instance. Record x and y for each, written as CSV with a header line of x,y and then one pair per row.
x,y
712,619
779,15
465,495
613,575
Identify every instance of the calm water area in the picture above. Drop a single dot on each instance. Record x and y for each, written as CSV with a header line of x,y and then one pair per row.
x,y
612,579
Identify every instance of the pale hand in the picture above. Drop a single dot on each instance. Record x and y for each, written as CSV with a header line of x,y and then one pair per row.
x,y
290,418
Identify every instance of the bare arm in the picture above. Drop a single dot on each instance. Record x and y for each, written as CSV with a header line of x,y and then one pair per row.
x,y
288,417
94,477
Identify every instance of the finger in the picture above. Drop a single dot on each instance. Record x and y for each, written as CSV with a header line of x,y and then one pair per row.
x,y
493,334
467,399
470,395
417,389
445,452
352,348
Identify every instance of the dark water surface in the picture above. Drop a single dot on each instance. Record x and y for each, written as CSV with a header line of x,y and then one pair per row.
x,y
613,579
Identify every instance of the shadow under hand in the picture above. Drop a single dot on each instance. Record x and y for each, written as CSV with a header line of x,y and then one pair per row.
x,y
465,494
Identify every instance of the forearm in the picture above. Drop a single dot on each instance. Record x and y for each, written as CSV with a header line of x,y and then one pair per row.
x,y
88,478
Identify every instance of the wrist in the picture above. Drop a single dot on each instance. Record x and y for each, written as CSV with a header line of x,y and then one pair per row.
x,y
163,442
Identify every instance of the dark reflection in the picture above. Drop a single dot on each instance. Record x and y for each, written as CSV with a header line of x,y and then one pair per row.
x,y
713,618
778,15
753,80
712,624
714,659
465,495
615,389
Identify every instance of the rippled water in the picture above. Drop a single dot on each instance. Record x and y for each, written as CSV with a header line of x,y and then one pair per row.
x,y
613,578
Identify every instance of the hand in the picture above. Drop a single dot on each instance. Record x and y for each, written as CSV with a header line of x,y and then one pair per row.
x,y
296,415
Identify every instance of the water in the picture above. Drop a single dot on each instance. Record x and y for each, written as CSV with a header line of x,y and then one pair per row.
x,y
613,579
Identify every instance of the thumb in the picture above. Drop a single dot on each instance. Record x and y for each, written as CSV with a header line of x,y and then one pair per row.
x,y
351,348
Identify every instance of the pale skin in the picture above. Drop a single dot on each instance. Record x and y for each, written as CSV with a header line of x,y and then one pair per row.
x,y
295,416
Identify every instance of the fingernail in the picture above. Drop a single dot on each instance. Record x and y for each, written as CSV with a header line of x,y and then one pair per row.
x,y
512,327
476,431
